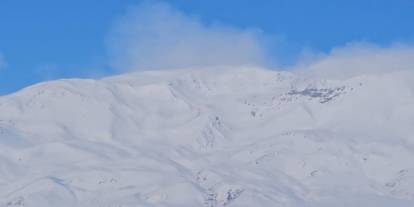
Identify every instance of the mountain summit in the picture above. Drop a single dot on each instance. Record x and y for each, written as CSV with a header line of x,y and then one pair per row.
x,y
209,137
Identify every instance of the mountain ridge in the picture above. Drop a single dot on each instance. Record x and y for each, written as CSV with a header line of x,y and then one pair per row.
x,y
209,137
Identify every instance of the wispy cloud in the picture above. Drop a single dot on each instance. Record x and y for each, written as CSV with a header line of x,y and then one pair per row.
x,y
357,59
156,36
3,63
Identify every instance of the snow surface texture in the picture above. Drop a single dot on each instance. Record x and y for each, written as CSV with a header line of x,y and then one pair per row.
x,y
209,138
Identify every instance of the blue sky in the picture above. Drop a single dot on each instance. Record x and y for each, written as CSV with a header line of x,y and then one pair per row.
x,y
47,39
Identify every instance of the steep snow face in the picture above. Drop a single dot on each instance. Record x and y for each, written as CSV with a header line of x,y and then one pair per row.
x,y
212,137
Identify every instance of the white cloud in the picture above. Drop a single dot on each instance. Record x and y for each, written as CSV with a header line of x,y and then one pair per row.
x,y
358,59
156,36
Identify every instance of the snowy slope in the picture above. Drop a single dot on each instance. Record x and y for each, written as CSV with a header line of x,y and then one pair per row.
x,y
210,137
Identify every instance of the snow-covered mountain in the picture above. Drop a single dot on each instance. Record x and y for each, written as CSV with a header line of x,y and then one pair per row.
x,y
210,137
